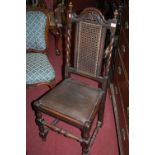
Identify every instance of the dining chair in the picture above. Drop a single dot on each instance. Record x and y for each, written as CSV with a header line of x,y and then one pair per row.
x,y
39,70
73,101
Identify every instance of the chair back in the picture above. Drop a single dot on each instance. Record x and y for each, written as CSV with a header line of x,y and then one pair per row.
x,y
37,24
89,51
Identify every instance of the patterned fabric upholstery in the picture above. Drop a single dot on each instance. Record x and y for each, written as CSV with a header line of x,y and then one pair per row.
x,y
35,30
38,68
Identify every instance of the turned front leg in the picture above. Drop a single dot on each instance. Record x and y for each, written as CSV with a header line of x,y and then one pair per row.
x,y
101,111
42,131
57,38
84,144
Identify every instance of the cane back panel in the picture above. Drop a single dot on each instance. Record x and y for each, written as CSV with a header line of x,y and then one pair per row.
x,y
90,35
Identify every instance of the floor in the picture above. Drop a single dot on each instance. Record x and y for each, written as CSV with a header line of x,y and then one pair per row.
x,y
106,140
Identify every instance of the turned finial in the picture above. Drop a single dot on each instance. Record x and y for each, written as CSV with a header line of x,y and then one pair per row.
x,y
115,13
69,12
70,6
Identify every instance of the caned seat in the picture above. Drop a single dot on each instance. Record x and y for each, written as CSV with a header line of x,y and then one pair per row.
x,y
74,100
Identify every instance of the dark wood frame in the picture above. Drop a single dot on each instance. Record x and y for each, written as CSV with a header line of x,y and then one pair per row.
x,y
50,83
56,30
40,4
85,140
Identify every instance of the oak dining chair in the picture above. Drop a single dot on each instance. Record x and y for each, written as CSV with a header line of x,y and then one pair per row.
x,y
73,101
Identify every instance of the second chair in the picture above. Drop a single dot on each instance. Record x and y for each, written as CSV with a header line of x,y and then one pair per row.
x,y
39,70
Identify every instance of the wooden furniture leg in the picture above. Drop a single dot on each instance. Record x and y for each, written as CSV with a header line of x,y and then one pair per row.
x,y
101,112
85,144
42,131
57,36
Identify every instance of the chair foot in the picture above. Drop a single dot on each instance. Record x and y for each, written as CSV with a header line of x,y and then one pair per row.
x,y
43,135
85,153
42,131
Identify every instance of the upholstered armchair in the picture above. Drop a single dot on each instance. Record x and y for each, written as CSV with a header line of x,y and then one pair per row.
x,y
39,70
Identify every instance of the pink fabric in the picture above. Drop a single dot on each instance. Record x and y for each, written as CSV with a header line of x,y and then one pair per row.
x,y
105,143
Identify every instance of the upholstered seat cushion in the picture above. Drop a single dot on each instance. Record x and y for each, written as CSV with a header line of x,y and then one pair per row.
x,y
38,68
72,100
35,30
